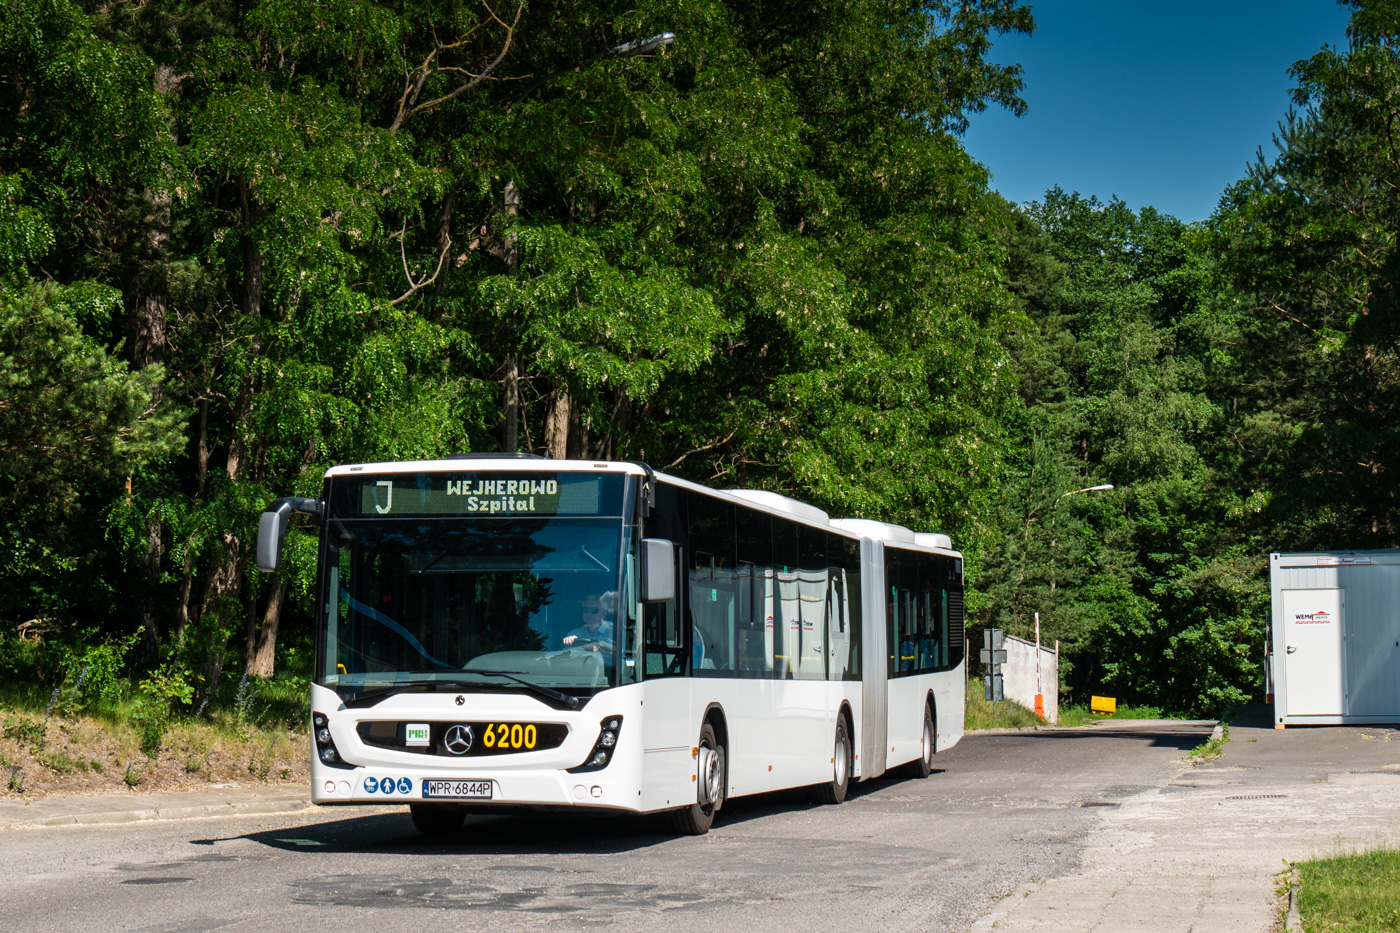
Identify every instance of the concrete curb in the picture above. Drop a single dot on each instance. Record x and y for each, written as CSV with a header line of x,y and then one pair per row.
x,y
184,805
1294,922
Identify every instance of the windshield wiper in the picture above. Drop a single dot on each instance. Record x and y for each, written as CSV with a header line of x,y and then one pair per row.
x,y
430,686
570,702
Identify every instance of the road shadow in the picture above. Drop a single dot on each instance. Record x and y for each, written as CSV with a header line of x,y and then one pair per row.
x,y
528,832
1183,738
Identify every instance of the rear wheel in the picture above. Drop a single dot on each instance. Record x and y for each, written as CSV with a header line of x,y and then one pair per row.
x,y
922,766
835,790
437,820
711,781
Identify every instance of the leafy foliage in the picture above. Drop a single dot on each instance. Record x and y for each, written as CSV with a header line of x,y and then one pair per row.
x,y
242,242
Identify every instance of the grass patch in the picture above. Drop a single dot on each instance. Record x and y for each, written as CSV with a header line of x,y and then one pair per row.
x,y
1212,748
1080,715
26,730
981,714
254,732
1351,893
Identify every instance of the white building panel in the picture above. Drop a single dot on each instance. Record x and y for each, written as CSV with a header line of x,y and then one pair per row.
x,y
1336,636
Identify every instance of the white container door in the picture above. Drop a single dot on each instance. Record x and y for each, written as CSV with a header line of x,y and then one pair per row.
x,y
1312,626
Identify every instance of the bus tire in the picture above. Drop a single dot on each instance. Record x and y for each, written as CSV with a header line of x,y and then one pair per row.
x,y
834,791
437,820
922,766
711,779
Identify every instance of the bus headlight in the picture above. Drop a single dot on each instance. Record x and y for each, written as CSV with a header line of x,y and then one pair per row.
x,y
598,759
325,745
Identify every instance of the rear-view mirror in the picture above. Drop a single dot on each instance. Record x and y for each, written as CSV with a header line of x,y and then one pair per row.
x,y
658,571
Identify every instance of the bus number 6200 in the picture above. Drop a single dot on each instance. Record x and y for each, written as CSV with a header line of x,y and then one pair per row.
x,y
508,735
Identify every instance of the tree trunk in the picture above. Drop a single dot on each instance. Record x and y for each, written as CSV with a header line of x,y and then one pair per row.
x,y
146,300
510,405
145,606
202,455
576,446
444,240
216,614
262,649
556,426
262,657
612,443
226,578
510,381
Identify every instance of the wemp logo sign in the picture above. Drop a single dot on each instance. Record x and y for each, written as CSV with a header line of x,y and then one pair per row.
x,y
1321,617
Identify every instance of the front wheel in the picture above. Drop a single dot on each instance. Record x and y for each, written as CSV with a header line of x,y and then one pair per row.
x,y
711,782
835,790
437,820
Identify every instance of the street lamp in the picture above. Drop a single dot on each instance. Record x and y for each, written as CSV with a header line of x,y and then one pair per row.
x,y
1054,515
1104,488
1039,696
643,46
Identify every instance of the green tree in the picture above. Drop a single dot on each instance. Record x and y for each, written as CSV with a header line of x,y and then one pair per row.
x,y
1150,592
355,230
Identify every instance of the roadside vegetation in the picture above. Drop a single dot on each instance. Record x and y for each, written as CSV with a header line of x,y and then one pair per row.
x,y
1358,893
1008,714
1213,747
71,721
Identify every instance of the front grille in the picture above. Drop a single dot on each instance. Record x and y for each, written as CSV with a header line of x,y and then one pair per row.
x,y
486,738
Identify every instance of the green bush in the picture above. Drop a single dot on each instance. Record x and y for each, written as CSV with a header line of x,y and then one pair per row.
x,y
92,670
153,729
170,686
19,659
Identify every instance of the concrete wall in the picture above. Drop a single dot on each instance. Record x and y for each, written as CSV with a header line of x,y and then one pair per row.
x,y
1018,676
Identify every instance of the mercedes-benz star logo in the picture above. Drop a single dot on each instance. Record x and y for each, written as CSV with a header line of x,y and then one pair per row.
x,y
461,699
458,739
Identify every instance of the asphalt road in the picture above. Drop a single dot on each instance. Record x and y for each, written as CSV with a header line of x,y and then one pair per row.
x,y
934,854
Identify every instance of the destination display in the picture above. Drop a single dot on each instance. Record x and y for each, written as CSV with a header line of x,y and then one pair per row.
x,y
485,495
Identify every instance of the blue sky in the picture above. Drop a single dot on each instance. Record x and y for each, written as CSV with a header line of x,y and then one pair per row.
x,y
1159,103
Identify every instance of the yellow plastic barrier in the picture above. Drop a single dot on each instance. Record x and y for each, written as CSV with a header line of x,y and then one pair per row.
x,y
1105,705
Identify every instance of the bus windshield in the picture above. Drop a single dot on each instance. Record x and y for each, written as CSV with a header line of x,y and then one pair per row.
x,y
422,601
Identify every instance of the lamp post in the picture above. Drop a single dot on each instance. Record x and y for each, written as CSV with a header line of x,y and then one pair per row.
x,y
643,46
1039,696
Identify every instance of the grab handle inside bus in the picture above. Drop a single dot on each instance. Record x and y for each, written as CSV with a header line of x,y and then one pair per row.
x,y
272,528
658,570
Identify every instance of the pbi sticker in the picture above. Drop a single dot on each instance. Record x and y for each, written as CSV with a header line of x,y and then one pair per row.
x,y
405,785
371,785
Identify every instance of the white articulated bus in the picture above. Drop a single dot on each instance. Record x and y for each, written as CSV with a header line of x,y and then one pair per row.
x,y
514,631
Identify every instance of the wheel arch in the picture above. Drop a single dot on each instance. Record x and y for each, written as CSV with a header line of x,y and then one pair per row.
x,y
714,715
845,712
932,703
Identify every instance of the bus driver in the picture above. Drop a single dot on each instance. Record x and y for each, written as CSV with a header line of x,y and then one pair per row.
x,y
596,633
